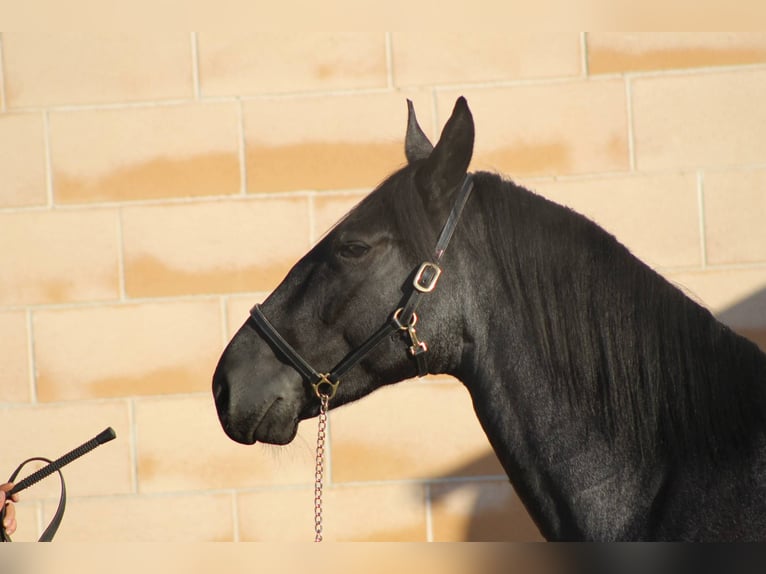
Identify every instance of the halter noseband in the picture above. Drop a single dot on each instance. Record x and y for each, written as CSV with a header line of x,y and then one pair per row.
x,y
403,319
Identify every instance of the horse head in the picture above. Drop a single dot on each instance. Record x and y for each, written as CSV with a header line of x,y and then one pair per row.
x,y
344,289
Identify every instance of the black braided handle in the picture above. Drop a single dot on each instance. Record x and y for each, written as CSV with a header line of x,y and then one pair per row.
x,y
104,436
53,466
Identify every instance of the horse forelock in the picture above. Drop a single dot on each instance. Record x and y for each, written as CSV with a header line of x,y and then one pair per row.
x,y
400,205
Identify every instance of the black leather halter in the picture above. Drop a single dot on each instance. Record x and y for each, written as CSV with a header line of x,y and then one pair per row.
x,y
403,319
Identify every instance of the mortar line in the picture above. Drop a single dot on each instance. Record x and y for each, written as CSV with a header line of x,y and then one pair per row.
x,y
176,201
186,298
223,307
242,149
701,216
389,61
3,95
429,513
31,363
109,106
195,66
386,90
40,516
196,200
48,159
522,82
422,481
133,445
435,114
235,515
311,203
584,54
631,132
122,290
702,70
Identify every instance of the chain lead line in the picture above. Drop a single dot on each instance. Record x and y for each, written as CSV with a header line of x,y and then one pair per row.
x,y
319,471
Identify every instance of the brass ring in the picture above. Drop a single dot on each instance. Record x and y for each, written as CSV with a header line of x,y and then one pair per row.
x,y
413,319
325,380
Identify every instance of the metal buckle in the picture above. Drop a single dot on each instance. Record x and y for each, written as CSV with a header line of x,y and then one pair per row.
x,y
431,284
324,380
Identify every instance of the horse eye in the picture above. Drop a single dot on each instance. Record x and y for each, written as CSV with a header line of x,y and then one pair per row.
x,y
353,249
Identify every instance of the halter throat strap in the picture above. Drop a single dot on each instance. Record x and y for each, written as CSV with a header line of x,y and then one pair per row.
x,y
403,319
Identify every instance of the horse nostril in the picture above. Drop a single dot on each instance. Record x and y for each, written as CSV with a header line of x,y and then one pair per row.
x,y
221,395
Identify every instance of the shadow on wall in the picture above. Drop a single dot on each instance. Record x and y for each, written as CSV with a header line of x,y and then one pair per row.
x,y
496,513
748,318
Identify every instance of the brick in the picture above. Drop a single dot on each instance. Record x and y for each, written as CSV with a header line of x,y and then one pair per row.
x,y
22,161
145,153
430,57
53,430
126,350
39,252
380,513
213,247
480,512
329,209
2,79
171,459
547,129
14,357
646,213
703,120
185,518
64,67
616,52
385,437
328,143
735,206
273,62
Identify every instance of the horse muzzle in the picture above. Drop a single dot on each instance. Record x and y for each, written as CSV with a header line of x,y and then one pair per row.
x,y
256,408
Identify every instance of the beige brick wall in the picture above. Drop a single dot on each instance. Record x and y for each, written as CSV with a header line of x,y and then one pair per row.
x,y
154,186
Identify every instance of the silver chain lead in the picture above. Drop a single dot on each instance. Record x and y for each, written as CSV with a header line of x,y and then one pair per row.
x,y
319,472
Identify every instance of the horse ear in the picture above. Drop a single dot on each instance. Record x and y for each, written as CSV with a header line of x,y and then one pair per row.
x,y
447,165
416,143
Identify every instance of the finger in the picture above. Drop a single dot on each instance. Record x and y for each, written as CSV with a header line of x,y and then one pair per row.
x,y
4,489
9,523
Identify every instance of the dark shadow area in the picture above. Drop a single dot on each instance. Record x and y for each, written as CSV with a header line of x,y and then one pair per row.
x,y
496,512
748,318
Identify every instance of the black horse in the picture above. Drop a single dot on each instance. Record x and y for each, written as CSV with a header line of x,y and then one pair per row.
x,y
620,408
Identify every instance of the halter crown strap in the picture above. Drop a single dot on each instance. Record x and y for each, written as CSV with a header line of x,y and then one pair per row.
x,y
403,318
429,272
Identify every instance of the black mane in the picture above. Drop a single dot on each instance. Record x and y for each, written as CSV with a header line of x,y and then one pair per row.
x,y
651,365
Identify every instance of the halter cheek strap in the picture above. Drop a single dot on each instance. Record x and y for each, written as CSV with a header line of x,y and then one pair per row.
x,y
403,319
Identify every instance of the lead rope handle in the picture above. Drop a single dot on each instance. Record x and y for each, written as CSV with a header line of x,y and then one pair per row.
x,y
319,472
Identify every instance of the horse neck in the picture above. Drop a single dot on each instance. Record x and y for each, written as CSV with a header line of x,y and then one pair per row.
x,y
576,445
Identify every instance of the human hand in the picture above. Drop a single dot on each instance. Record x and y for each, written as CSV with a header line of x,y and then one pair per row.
x,y
9,522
